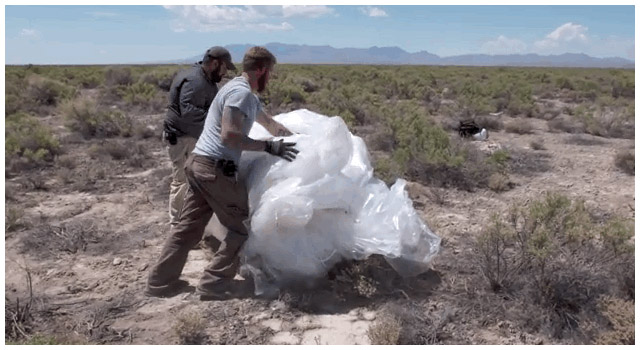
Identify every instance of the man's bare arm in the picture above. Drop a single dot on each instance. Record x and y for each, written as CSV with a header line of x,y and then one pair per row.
x,y
231,132
272,126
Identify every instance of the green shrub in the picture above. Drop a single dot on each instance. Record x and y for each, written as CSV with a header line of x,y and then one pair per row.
x,y
500,159
47,92
283,93
564,83
85,117
118,76
26,137
138,93
616,236
555,251
90,79
497,263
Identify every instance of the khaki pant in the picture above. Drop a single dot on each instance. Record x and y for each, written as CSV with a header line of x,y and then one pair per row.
x,y
178,154
209,192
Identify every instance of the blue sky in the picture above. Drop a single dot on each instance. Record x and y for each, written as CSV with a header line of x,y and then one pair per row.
x,y
135,34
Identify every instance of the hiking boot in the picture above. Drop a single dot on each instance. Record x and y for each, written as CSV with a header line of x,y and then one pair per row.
x,y
170,290
224,290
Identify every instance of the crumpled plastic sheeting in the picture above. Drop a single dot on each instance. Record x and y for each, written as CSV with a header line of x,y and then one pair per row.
x,y
324,207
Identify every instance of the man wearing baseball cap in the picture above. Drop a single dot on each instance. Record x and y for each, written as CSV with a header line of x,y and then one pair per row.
x,y
190,96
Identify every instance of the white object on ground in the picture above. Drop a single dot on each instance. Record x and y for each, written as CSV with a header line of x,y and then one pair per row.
x,y
325,206
481,136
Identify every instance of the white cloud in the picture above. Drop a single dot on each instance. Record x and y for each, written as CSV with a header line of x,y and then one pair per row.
x,y
503,46
29,33
276,27
373,11
566,35
211,18
305,11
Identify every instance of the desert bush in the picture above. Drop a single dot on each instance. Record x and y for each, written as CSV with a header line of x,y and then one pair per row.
x,y
564,83
584,140
118,76
19,317
96,151
138,93
555,251
499,182
588,89
625,161
35,181
26,137
14,218
189,328
143,131
498,264
437,195
625,89
537,145
66,161
387,169
132,153
69,238
84,116
65,175
566,124
616,236
160,76
282,93
489,122
520,101
406,323
621,318
117,150
47,92
385,330
13,104
521,127
500,159
606,123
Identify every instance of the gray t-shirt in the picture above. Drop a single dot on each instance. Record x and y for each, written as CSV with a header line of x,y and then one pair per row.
x,y
236,93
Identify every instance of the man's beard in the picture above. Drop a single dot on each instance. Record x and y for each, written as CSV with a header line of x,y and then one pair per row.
x,y
215,75
262,82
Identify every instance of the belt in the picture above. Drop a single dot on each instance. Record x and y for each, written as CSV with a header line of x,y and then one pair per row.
x,y
228,167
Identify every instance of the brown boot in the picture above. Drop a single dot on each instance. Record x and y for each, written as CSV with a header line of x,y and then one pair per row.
x,y
167,291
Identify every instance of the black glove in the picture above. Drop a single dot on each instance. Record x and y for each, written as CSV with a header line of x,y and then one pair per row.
x,y
281,149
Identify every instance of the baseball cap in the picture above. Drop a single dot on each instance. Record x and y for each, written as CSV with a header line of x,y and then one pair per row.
x,y
223,54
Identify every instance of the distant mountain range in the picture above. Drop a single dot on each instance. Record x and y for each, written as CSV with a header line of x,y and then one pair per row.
x,y
306,54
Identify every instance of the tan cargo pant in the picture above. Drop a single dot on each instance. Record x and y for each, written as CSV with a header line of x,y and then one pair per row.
x,y
178,154
210,192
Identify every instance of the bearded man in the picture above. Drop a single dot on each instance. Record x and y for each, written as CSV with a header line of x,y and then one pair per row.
x,y
190,96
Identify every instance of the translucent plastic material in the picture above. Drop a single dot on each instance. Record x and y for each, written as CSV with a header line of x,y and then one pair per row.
x,y
324,207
